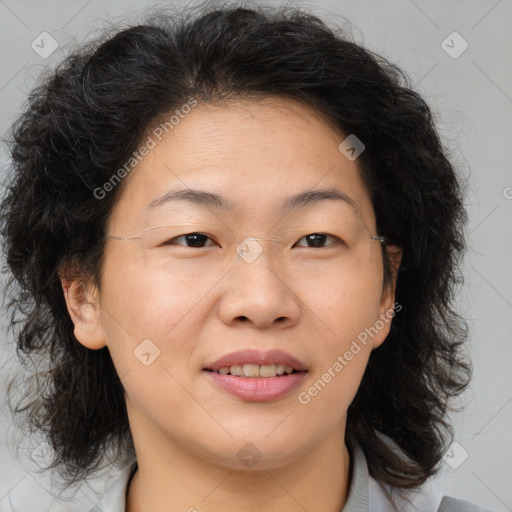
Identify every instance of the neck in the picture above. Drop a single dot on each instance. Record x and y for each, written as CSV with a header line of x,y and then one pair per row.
x,y
174,479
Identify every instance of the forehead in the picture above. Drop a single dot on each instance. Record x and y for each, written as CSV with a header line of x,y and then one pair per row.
x,y
255,154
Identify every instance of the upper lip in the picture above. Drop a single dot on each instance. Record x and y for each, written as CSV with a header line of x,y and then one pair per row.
x,y
251,356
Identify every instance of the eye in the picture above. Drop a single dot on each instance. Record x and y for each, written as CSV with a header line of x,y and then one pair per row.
x,y
196,240
317,239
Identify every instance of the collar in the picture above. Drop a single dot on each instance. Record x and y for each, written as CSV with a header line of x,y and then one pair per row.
x,y
358,499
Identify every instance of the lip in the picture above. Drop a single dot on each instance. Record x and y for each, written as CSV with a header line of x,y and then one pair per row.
x,y
257,389
252,356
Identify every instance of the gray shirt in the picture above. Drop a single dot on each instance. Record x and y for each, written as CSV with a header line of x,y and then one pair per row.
x,y
365,494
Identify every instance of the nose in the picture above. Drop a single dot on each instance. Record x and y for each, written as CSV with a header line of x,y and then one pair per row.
x,y
258,292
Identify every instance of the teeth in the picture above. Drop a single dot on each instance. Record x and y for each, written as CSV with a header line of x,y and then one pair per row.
x,y
236,369
254,370
251,370
267,370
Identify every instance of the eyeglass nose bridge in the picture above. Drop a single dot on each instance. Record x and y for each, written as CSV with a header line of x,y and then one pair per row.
x,y
249,249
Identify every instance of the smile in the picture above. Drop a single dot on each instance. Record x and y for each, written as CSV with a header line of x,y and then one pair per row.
x,y
255,370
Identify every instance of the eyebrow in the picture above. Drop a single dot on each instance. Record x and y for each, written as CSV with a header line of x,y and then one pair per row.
x,y
218,202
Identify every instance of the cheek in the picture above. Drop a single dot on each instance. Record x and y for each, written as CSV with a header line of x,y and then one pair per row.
x,y
150,336
345,308
150,303
343,304
146,312
344,348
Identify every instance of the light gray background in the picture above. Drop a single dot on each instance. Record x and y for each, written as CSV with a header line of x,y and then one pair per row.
x,y
472,99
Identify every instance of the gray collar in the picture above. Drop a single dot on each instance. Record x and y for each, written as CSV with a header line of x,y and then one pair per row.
x,y
358,499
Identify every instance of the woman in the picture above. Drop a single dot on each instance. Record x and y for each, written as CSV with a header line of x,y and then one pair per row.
x,y
235,240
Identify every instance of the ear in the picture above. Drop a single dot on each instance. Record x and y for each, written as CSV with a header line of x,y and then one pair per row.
x,y
387,301
82,302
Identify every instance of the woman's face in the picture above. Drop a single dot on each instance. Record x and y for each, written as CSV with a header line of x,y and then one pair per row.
x,y
168,311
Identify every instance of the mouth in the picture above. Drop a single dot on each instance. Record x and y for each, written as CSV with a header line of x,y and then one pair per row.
x,y
252,385
254,363
255,376
252,371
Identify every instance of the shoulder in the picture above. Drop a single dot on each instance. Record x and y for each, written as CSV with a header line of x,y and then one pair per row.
x,y
114,499
450,504
427,498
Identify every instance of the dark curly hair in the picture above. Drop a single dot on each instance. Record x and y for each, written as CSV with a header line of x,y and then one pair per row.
x,y
84,120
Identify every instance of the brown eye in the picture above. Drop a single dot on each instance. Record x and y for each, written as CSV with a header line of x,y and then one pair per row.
x,y
196,240
317,240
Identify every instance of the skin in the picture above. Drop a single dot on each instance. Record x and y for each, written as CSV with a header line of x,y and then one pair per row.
x,y
187,431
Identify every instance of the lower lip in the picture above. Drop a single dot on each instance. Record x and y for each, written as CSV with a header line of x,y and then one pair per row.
x,y
257,389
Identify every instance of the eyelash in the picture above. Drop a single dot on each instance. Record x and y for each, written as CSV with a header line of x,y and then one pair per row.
x,y
338,240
